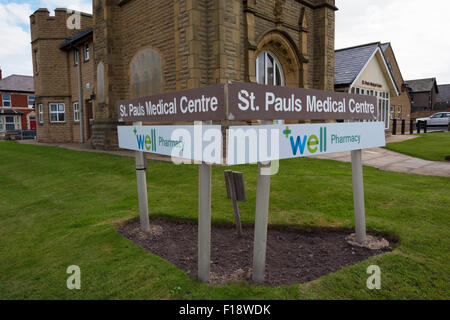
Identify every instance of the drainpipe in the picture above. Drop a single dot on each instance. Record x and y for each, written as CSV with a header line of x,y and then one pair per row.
x,y
80,97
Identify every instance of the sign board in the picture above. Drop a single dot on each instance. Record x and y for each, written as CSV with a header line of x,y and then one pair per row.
x,y
234,182
247,101
198,143
251,144
206,103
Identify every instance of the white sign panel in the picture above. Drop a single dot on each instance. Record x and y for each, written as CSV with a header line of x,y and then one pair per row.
x,y
198,143
251,144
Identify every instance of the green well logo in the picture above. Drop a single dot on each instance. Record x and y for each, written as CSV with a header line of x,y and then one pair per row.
x,y
311,142
145,141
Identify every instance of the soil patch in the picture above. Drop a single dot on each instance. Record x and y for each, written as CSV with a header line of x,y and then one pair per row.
x,y
294,255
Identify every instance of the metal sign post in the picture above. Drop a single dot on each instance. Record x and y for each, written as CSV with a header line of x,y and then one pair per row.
x,y
261,219
358,196
141,168
204,220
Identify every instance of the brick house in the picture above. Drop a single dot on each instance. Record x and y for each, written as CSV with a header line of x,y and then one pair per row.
x,y
16,103
443,98
146,47
364,69
423,94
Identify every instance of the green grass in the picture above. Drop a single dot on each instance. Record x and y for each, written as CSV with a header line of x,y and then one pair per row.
x,y
60,208
430,146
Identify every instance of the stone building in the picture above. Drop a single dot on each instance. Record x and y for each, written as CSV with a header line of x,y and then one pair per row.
x,y
146,47
62,65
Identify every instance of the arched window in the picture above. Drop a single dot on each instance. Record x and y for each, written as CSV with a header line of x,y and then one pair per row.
x,y
268,69
146,73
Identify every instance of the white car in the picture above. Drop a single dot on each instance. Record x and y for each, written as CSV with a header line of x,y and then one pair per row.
x,y
438,119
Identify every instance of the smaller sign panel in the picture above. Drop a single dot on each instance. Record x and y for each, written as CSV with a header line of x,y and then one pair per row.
x,y
198,143
251,144
202,104
234,182
247,101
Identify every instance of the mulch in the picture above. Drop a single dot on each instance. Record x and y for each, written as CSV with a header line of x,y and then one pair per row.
x,y
294,255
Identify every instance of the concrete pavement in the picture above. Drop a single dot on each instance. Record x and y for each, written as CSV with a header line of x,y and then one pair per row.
x,y
388,160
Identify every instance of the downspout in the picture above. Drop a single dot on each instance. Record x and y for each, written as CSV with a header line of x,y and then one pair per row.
x,y
80,97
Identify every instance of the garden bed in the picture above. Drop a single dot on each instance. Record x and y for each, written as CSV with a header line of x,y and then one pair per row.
x,y
294,255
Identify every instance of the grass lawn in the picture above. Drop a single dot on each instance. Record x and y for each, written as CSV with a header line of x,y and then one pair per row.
x,y
60,208
433,146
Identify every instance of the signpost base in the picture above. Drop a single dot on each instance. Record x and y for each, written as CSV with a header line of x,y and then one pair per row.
x,y
204,221
358,196
261,221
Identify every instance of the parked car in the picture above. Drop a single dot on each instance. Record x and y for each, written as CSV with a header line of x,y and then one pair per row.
x,y
438,119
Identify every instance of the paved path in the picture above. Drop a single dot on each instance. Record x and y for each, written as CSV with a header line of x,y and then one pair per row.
x,y
378,157
86,147
388,160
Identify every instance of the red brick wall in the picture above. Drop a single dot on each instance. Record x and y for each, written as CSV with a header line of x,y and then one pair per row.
x,y
19,101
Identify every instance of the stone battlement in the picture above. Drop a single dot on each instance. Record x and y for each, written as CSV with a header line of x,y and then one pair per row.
x,y
44,25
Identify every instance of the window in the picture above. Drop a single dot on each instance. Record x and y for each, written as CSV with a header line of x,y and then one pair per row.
x,y
18,123
383,108
57,112
1,124
31,102
6,100
399,112
9,124
40,113
36,61
86,52
76,56
353,90
76,112
268,70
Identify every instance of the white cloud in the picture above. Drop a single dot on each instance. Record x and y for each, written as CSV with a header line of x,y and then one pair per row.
x,y
416,29
15,51
79,5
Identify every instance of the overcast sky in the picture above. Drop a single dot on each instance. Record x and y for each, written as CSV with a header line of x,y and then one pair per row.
x,y
417,29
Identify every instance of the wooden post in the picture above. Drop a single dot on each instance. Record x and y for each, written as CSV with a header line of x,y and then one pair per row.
x,y
204,219
233,195
141,168
261,220
358,196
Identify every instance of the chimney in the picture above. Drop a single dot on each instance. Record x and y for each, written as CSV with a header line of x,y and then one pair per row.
x,y
0,73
